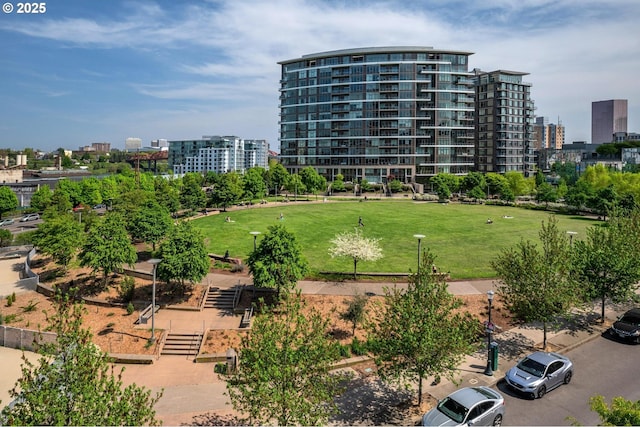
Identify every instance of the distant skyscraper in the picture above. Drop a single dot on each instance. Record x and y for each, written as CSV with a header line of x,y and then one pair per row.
x,y
607,118
547,135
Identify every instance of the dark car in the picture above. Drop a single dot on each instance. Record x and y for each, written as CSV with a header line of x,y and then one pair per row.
x,y
540,372
627,326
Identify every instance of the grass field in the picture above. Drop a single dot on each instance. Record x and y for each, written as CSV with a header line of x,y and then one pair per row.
x,y
457,234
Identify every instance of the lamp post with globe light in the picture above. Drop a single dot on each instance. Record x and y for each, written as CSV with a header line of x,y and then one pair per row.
x,y
255,237
571,234
489,371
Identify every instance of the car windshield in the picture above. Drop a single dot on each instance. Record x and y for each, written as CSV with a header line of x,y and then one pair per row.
x,y
453,409
632,320
532,367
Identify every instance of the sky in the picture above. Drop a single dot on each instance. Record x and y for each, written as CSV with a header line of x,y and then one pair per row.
x,y
88,71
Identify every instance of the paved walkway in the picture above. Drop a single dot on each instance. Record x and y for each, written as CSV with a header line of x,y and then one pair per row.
x,y
193,394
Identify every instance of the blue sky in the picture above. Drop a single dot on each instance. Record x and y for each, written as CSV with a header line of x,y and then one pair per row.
x,y
103,70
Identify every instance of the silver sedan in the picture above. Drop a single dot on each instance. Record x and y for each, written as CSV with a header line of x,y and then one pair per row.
x,y
539,373
478,406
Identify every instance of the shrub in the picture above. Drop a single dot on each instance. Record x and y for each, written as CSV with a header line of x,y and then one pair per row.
x,y
358,348
1,319
127,289
30,307
130,308
345,351
237,268
220,368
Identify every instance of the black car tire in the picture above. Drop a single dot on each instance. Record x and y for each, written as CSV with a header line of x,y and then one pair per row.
x,y
497,421
567,377
541,392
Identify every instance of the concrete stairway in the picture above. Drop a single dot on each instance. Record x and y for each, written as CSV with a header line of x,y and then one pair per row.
x,y
222,299
183,344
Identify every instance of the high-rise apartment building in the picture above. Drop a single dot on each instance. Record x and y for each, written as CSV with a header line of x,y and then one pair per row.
x,y
607,118
218,154
379,112
547,135
504,122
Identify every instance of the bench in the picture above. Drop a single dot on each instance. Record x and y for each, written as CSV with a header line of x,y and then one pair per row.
x,y
146,314
246,317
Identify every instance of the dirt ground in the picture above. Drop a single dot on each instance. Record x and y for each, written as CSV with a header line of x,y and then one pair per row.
x,y
115,331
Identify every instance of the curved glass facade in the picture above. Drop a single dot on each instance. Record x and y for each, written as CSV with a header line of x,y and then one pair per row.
x,y
378,113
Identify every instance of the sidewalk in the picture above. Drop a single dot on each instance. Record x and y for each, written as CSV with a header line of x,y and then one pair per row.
x,y
192,392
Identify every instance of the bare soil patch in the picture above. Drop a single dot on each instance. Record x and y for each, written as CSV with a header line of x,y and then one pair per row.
x,y
115,331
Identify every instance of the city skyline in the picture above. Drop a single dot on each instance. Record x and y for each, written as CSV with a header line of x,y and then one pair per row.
x,y
98,71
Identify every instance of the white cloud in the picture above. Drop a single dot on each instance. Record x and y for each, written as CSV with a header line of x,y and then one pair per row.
x,y
226,52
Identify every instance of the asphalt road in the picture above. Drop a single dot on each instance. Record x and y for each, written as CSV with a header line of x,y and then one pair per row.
x,y
602,366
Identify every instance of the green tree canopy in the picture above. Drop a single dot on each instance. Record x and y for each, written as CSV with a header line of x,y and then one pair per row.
x,y
184,256
8,200
420,332
192,196
60,237
285,369
150,224
312,180
253,184
536,283
621,412
277,262
108,247
228,190
41,199
606,261
74,384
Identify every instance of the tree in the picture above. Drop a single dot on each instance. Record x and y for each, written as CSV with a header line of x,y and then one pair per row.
x,y
8,200
355,246
277,262
312,180
546,193
150,224
355,312
536,284
472,180
606,261
228,190
107,246
395,186
518,184
284,373
253,184
294,185
167,194
41,199
79,387
277,176
442,186
420,332
72,189
59,236
621,412
184,255
192,196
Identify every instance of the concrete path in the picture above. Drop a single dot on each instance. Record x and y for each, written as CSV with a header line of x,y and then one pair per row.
x,y
192,391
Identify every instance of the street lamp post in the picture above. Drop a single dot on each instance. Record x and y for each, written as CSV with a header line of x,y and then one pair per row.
x,y
419,237
489,371
571,234
154,262
255,237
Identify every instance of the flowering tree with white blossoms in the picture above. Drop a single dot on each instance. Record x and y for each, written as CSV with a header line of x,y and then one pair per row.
x,y
355,245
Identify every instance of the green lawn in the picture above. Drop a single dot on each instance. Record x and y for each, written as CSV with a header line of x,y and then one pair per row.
x,y
458,235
